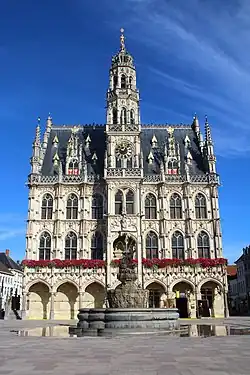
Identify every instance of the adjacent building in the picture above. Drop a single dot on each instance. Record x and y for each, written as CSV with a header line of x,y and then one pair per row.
x,y
96,190
11,283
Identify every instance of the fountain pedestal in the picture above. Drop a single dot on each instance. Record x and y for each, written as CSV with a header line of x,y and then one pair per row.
x,y
128,307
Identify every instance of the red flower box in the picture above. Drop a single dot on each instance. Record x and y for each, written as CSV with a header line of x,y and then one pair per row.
x,y
163,263
149,263
58,263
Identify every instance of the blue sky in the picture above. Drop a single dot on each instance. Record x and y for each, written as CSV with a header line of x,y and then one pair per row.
x,y
191,56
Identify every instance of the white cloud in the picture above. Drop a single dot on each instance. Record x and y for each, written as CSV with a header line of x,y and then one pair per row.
x,y
200,49
11,225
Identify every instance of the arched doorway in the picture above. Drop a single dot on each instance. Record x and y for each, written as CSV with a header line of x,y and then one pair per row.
x,y
66,302
94,296
123,243
183,296
155,292
38,305
212,301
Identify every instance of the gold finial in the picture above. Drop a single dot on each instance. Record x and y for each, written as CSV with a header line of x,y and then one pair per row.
x,y
122,39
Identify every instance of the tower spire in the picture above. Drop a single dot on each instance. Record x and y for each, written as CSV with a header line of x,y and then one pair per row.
x,y
122,40
208,131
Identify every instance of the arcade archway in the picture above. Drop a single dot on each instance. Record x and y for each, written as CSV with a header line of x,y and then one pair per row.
x,y
184,294
38,306
94,296
155,292
66,302
211,303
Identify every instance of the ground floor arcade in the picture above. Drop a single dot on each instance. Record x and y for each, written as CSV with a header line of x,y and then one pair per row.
x,y
205,300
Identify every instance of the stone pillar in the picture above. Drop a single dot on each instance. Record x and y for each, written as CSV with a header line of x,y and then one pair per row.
x,y
52,306
81,294
24,305
226,311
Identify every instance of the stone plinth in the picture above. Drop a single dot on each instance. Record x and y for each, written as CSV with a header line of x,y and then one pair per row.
x,y
128,319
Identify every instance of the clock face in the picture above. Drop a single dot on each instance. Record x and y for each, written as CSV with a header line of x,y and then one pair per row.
x,y
124,150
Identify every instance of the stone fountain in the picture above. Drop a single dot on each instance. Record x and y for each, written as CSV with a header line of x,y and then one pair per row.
x,y
128,310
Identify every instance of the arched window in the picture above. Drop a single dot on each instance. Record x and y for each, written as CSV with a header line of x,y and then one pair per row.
x,y
114,116
152,246
172,164
45,246
132,116
175,207
130,80
97,206
130,202
118,163
118,202
72,207
123,116
97,246
200,206
203,245
115,81
123,81
47,207
73,168
150,207
71,246
178,245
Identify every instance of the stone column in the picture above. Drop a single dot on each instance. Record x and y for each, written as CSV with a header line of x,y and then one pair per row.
x,y
226,311
52,306
81,294
24,305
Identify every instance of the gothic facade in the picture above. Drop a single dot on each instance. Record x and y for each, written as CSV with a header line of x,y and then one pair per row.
x,y
97,190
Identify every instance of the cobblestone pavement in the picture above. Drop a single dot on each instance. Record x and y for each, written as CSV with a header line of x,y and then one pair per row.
x,y
147,355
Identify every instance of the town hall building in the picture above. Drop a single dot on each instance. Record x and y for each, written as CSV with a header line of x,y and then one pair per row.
x,y
96,190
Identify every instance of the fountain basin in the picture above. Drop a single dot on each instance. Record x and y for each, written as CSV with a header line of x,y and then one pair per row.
x,y
135,319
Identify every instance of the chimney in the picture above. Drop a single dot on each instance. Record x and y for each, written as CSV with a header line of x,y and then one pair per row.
x,y
7,252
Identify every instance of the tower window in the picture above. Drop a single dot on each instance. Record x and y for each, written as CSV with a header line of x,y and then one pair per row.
x,y
150,207
97,206
115,81
123,116
114,116
97,246
203,245
130,81
152,246
72,207
118,202
200,206
71,246
132,116
175,207
45,246
178,245
123,81
130,202
47,207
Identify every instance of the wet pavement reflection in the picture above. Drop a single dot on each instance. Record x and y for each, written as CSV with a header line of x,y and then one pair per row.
x,y
189,330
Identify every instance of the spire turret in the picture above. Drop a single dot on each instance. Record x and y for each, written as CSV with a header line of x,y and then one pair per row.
x,y
122,97
35,159
209,148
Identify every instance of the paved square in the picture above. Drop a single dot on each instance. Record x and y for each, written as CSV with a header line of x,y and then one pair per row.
x,y
147,355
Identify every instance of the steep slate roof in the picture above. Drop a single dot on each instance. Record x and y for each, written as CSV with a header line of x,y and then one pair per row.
x,y
9,263
98,145
4,269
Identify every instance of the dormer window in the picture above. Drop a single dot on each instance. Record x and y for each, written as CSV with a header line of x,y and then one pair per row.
x,y
172,166
73,168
